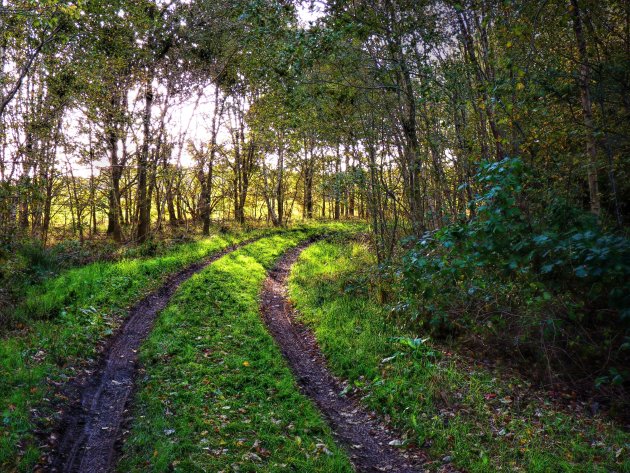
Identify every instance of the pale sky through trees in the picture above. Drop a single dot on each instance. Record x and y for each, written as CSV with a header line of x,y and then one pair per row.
x,y
191,116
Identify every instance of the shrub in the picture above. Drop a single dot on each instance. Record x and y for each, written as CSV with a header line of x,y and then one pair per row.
x,y
553,285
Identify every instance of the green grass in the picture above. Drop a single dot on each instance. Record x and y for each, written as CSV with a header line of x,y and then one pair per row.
x,y
483,422
216,394
62,322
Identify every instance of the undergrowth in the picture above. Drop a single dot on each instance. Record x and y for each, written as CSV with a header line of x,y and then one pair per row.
x,y
547,287
25,263
461,412
216,394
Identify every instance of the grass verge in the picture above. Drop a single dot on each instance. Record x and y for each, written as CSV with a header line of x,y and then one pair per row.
x,y
461,412
216,394
63,323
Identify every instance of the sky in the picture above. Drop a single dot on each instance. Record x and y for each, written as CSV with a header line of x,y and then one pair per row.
x,y
309,11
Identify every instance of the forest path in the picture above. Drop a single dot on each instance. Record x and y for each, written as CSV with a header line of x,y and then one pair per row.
x,y
92,426
370,445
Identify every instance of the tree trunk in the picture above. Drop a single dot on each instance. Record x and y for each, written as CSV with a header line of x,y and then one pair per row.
x,y
271,213
337,210
483,79
113,227
207,204
144,203
280,183
308,183
587,112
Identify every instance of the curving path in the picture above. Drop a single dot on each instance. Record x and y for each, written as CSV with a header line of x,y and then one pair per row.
x,y
90,430
370,446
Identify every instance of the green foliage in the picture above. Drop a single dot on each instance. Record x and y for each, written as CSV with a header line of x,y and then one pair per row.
x,y
507,258
484,421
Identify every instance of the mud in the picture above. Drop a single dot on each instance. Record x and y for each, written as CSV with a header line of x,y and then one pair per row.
x,y
371,446
91,427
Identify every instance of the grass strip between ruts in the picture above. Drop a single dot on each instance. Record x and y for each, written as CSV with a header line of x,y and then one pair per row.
x,y
64,320
216,394
480,422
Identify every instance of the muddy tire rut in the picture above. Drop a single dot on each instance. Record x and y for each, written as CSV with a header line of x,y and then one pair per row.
x,y
91,427
370,445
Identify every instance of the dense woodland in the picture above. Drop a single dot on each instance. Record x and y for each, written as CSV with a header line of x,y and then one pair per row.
x,y
486,143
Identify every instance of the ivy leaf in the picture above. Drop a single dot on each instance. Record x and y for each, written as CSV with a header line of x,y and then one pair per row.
x,y
581,272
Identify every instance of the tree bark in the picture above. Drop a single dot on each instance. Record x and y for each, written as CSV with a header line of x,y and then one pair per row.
x,y
308,181
113,228
280,183
587,112
144,203
484,82
337,211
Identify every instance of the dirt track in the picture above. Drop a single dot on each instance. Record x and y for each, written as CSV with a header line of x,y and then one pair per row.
x,y
91,428
368,442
